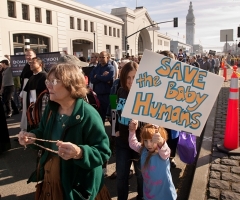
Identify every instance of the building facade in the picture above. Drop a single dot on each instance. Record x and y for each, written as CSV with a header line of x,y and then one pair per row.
x,y
144,38
175,46
198,49
70,26
57,26
190,26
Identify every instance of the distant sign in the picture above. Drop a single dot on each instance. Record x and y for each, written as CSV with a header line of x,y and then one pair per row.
x,y
171,94
18,61
226,35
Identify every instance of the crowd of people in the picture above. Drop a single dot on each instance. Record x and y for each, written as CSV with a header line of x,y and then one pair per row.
x,y
71,137
209,62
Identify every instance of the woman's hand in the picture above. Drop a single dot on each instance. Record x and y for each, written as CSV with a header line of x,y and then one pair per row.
x,y
133,125
68,150
23,138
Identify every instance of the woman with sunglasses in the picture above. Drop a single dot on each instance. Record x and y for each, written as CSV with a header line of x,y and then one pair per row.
x,y
71,165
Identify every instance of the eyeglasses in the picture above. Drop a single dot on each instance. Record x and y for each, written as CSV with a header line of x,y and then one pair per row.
x,y
52,82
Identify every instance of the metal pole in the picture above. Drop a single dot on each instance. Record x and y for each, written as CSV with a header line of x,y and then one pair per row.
x,y
236,47
148,26
153,41
226,44
94,43
126,45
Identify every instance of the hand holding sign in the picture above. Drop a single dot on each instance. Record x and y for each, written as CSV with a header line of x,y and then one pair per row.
x,y
133,125
157,138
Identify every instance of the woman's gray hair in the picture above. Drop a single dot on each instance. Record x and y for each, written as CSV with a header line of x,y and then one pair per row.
x,y
70,73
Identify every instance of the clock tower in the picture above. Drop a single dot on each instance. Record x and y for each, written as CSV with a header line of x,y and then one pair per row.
x,y
190,26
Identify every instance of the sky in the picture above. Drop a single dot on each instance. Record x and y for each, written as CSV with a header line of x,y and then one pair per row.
x,y
211,16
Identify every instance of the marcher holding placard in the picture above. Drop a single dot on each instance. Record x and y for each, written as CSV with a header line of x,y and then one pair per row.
x,y
124,154
111,112
155,165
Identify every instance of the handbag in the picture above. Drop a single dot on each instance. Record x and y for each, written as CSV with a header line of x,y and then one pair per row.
x,y
187,147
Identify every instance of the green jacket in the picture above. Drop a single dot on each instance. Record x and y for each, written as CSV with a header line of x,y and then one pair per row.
x,y
83,178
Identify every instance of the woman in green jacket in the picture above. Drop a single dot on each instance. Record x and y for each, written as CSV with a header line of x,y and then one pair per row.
x,y
74,138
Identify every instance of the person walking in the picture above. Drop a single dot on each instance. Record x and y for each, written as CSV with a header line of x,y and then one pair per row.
x,y
71,165
4,135
8,88
24,77
155,165
217,64
102,79
124,154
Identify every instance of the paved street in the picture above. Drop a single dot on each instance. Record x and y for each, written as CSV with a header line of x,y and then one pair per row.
x,y
17,164
217,175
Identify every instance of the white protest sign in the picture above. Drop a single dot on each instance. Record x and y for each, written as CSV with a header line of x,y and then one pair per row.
x,y
172,94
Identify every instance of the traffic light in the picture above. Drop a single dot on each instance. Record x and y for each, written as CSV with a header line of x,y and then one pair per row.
x,y
128,47
175,22
238,32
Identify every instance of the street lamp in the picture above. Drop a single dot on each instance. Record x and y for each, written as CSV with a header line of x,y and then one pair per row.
x,y
236,47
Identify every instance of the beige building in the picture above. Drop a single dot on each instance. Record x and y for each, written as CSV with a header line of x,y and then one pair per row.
x,y
58,25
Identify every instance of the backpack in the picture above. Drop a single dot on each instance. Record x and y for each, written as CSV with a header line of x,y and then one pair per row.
x,y
92,99
186,147
35,110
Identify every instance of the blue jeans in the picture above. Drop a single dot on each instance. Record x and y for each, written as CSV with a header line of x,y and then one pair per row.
x,y
124,158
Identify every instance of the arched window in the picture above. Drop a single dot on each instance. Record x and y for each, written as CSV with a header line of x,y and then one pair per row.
x,y
140,44
37,42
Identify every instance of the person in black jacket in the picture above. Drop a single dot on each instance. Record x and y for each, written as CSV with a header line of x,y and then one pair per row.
x,y
24,77
193,62
87,70
102,79
205,64
7,88
36,84
124,154
4,135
